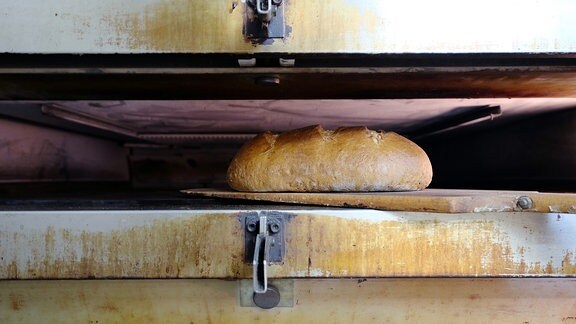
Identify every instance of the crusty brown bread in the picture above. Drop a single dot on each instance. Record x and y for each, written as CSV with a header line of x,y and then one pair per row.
x,y
312,159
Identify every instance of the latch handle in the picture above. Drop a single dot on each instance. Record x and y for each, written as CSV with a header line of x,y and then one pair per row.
x,y
264,242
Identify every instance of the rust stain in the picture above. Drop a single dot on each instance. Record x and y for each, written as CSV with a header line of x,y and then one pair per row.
x,y
384,300
16,301
109,307
211,246
345,247
474,296
183,25
179,248
211,26
569,263
11,270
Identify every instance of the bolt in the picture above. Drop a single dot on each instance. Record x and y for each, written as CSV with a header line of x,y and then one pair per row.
x,y
524,202
251,226
275,227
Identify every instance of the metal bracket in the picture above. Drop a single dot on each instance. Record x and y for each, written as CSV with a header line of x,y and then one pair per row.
x,y
264,19
264,244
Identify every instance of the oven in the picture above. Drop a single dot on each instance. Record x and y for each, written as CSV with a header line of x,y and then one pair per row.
x,y
118,121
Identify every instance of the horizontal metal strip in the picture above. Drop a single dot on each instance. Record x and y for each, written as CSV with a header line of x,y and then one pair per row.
x,y
367,26
328,243
308,60
266,84
284,70
314,301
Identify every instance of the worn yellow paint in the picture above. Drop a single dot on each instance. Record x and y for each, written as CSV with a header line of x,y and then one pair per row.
x,y
315,301
205,246
213,26
338,247
180,25
211,246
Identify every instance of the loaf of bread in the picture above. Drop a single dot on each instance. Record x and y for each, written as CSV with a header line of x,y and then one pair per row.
x,y
312,159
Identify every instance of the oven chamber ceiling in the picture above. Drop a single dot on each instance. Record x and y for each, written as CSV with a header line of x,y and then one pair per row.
x,y
522,143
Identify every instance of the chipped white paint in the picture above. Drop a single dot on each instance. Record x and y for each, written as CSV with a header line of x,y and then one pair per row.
x,y
492,210
180,244
372,26
364,215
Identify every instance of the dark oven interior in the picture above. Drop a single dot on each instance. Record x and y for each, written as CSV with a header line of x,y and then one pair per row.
x,y
151,125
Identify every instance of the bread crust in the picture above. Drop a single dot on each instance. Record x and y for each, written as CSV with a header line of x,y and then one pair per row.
x,y
312,159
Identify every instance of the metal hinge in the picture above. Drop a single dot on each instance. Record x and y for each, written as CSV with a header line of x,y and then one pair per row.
x,y
264,239
264,19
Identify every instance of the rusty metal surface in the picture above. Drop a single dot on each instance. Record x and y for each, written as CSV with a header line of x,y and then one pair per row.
x,y
367,26
319,243
315,301
295,83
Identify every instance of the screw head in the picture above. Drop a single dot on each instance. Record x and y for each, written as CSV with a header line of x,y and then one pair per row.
x,y
274,227
524,202
251,226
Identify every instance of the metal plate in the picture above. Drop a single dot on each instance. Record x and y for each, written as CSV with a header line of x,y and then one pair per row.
x,y
276,28
325,243
285,288
78,83
365,26
315,301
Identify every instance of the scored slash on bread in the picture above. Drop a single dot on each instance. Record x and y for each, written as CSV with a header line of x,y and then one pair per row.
x,y
312,159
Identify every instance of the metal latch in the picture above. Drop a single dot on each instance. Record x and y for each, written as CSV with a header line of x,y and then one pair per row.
x,y
264,19
264,244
